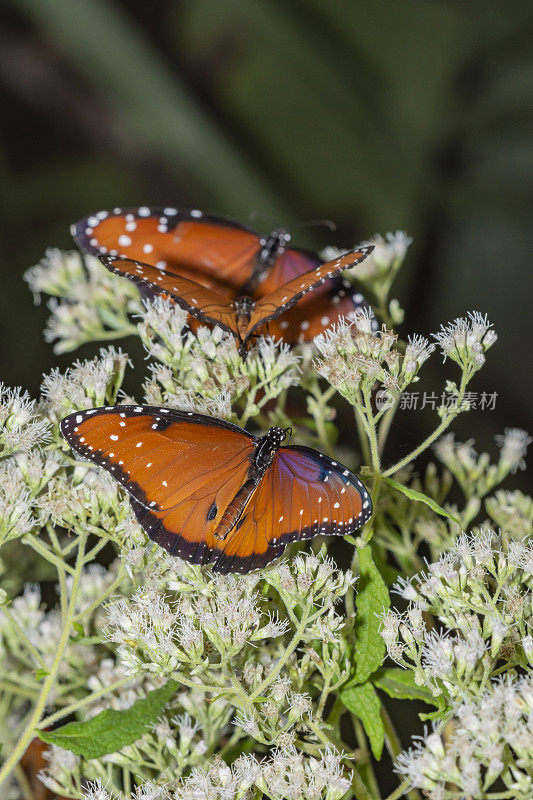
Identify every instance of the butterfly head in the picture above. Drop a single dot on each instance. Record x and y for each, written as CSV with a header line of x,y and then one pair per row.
x,y
272,246
267,446
278,435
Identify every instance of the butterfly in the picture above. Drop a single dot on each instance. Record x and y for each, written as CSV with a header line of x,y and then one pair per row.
x,y
223,255
212,493
243,316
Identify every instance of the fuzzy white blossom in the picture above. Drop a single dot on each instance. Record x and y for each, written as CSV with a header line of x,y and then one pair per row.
x,y
21,426
466,340
491,737
88,302
94,382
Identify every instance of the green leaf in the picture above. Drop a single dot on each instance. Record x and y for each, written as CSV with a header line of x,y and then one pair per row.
x,y
40,674
363,701
79,632
372,599
421,498
112,730
399,683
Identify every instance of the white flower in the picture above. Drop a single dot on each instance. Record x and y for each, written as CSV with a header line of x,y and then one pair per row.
x,y
16,504
418,350
97,791
85,384
21,426
514,444
386,258
466,339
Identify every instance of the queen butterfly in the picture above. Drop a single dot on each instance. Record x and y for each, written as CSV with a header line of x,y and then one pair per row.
x,y
222,255
242,317
211,493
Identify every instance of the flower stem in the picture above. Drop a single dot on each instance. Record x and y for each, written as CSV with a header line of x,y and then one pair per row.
x,y
50,679
432,437
273,674
371,432
399,792
19,634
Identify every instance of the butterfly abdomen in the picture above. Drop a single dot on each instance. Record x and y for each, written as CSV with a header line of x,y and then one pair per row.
x,y
231,515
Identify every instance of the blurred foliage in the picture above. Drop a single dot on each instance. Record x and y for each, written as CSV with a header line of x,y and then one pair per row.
x,y
376,114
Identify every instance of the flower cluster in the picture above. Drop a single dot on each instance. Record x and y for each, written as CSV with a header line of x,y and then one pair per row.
x,y
21,425
490,739
479,591
353,357
466,340
286,775
86,384
204,371
88,304
378,271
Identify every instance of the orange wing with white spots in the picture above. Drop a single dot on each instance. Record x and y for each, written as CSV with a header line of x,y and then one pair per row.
x,y
203,304
181,469
211,250
281,299
302,495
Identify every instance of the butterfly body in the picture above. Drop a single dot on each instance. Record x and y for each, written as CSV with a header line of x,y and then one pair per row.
x,y
210,492
220,254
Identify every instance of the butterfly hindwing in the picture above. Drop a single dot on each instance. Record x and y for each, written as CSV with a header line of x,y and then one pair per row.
x,y
303,494
281,299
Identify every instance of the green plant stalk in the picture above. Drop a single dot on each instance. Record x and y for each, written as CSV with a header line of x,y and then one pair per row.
x,y
24,784
50,679
399,792
60,570
433,436
371,432
21,636
291,647
385,425
365,758
99,600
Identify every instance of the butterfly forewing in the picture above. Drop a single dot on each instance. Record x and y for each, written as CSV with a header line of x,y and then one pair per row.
x,y
302,495
204,304
206,248
281,299
181,469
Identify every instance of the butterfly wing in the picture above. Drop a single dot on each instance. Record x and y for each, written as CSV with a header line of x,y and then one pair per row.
x,y
181,469
316,311
211,250
287,295
303,494
204,304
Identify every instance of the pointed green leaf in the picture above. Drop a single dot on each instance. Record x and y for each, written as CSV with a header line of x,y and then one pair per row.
x,y
112,730
420,498
372,599
399,683
363,701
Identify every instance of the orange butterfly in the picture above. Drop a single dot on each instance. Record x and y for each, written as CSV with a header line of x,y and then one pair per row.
x,y
221,254
242,316
211,493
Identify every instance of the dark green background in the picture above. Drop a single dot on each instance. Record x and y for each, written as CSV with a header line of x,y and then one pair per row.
x,y
377,114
